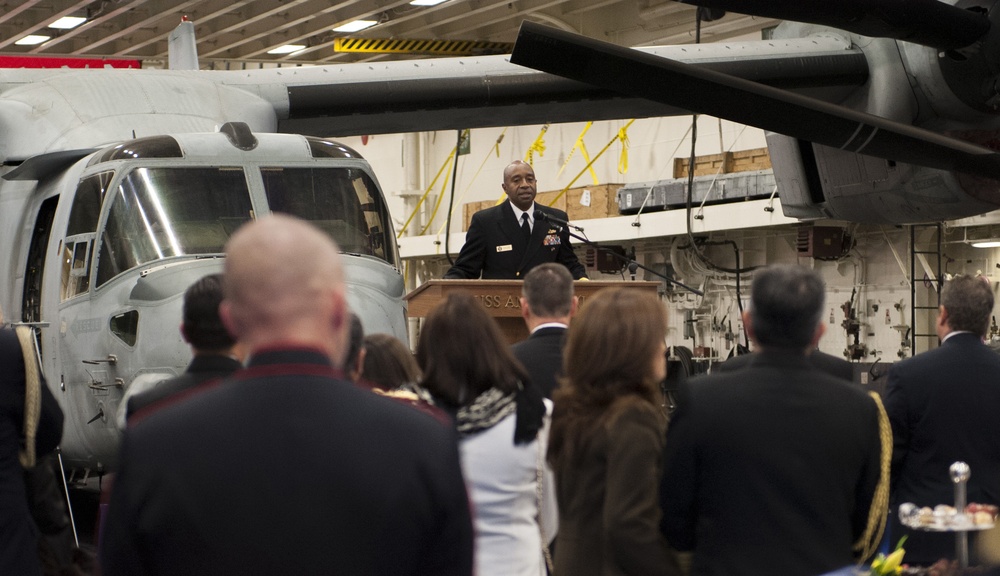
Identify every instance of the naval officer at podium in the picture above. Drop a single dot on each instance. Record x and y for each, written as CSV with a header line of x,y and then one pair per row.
x,y
506,241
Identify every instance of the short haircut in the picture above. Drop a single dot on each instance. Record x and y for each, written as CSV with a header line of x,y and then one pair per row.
x,y
355,342
548,288
388,362
969,303
786,303
462,352
514,164
202,326
281,271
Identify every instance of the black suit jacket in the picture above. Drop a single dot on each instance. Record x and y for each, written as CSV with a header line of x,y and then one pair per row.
x,y
542,354
828,363
286,468
203,368
495,247
770,469
944,406
18,535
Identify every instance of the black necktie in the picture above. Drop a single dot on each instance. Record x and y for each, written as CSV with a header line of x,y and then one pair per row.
x,y
525,227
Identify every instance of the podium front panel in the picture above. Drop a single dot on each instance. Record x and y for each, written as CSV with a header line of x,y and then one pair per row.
x,y
501,299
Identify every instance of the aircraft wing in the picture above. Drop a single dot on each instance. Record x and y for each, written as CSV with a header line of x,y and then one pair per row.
x,y
707,91
455,93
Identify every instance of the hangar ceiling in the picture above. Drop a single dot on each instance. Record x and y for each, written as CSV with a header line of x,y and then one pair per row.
x,y
242,32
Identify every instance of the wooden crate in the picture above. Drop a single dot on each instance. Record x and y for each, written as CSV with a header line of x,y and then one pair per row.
x,y
589,202
751,160
549,199
740,161
470,208
704,165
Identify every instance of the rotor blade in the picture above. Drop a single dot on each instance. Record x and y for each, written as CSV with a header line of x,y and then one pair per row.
x,y
927,22
704,91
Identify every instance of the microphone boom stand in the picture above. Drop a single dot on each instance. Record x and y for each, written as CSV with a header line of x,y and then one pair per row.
x,y
561,226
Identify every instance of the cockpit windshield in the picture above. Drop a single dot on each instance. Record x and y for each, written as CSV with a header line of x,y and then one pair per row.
x,y
163,212
160,212
343,202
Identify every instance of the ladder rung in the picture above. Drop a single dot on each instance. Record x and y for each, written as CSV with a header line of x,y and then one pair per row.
x,y
931,255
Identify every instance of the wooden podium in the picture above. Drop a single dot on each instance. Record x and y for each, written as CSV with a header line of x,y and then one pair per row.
x,y
500,298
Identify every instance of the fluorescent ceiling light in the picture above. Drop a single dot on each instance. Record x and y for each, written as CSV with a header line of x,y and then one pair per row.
x,y
987,243
356,26
427,2
31,40
68,22
287,49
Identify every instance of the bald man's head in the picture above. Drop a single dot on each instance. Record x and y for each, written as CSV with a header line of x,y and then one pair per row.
x,y
283,282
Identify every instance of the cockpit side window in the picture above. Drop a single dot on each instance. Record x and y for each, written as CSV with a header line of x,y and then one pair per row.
x,y
163,212
343,202
78,243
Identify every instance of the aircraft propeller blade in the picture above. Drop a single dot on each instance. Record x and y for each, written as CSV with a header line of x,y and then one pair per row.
x,y
705,91
927,22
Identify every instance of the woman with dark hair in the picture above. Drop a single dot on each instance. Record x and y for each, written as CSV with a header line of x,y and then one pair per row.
x,y
390,369
388,363
502,422
606,445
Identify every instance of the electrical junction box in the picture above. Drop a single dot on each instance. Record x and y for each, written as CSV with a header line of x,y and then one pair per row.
x,y
820,242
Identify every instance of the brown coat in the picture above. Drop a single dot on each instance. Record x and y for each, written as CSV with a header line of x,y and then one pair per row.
x,y
609,515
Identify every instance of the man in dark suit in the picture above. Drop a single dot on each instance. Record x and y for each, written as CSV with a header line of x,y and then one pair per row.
x,y
215,352
771,469
18,534
828,363
286,467
506,241
943,406
547,303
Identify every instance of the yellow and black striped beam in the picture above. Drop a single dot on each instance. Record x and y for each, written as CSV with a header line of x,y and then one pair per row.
x,y
430,47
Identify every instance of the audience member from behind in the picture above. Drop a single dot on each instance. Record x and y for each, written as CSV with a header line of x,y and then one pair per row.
x,y
216,353
388,363
771,469
943,406
391,370
503,426
606,444
355,356
821,360
547,303
18,450
273,471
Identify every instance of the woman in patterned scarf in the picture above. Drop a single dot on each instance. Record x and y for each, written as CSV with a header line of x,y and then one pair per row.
x,y
502,425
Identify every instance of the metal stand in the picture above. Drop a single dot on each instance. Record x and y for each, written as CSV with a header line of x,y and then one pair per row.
x,y
556,223
69,504
960,474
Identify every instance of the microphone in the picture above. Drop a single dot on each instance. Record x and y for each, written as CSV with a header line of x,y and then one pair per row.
x,y
633,266
539,215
